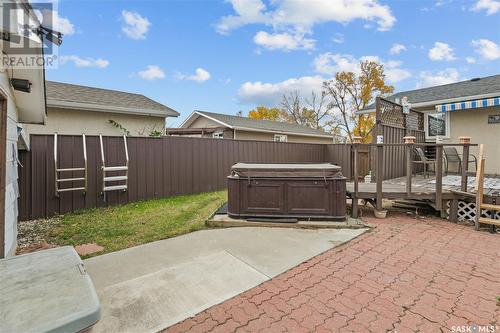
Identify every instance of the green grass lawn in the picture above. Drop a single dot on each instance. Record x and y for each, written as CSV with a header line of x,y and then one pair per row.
x,y
120,227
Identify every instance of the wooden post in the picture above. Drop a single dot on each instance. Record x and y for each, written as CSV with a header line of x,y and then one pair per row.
x,y
453,216
479,186
408,169
379,169
465,162
439,176
380,174
409,141
356,185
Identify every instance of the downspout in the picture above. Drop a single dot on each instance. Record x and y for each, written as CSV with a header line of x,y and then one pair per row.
x,y
234,134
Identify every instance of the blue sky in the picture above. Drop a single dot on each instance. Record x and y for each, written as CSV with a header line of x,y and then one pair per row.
x,y
226,56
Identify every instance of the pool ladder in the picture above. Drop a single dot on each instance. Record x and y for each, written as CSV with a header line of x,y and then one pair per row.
x,y
61,171
106,178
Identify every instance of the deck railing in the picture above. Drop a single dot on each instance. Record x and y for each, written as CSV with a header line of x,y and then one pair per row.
x,y
409,148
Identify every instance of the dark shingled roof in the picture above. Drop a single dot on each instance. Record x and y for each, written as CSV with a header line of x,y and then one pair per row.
x,y
267,125
485,85
65,92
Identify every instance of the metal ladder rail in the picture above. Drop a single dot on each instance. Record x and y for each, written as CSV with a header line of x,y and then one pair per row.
x,y
105,169
57,170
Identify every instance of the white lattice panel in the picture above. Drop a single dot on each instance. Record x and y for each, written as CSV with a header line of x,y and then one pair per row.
x,y
467,211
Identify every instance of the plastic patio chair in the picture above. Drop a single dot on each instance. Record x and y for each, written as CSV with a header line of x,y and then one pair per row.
x,y
452,156
422,159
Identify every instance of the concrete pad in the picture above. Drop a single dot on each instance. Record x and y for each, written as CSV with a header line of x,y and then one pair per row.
x,y
158,300
149,287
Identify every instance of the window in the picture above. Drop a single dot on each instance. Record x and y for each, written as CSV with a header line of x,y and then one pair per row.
x,y
280,138
218,135
437,124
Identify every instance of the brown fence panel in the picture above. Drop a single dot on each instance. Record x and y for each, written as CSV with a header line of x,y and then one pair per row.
x,y
340,154
159,167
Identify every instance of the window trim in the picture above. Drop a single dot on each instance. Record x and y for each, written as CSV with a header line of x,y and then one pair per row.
x,y
446,127
280,136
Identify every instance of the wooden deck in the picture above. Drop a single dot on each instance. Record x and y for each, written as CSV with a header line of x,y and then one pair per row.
x,y
422,188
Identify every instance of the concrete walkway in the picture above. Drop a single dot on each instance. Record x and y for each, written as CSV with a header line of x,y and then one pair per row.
x,y
153,286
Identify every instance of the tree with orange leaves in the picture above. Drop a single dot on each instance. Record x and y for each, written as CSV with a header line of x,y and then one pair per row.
x,y
351,92
265,113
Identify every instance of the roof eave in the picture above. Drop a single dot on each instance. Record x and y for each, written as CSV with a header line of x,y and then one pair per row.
x,y
54,103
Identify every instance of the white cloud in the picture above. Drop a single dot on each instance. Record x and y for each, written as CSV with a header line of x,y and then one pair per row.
x,y
284,41
199,76
329,64
491,6
135,26
338,38
470,60
397,48
152,72
326,64
430,79
441,51
270,94
487,49
51,19
394,73
302,15
83,62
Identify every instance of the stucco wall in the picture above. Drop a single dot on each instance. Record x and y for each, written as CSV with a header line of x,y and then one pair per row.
x,y
474,123
202,122
77,122
11,188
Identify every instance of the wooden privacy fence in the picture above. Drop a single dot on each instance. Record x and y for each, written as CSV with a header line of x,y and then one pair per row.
x,y
159,167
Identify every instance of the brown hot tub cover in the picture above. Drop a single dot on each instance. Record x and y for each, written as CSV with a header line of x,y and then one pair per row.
x,y
320,170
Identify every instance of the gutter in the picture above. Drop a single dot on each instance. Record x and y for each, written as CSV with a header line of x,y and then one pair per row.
x,y
108,108
281,132
439,101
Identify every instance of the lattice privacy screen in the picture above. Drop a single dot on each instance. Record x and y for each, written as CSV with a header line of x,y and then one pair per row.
x,y
467,211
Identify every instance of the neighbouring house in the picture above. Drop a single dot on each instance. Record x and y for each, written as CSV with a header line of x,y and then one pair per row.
x,y
22,99
222,126
76,109
468,108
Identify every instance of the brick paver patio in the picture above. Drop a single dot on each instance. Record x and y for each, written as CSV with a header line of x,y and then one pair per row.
x,y
406,275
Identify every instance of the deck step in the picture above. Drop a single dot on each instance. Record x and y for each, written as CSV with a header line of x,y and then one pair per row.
x,y
486,220
115,178
115,188
116,168
490,206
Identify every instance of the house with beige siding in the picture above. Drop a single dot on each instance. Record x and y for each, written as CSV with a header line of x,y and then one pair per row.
x,y
222,126
76,109
468,108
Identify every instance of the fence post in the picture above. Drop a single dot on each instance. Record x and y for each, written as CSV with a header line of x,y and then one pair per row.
x,y
409,141
354,198
439,176
465,141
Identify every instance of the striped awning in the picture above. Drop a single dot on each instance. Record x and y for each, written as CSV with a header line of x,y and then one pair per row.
x,y
478,103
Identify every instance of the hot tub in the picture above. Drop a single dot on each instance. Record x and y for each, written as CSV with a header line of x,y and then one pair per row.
x,y
303,191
